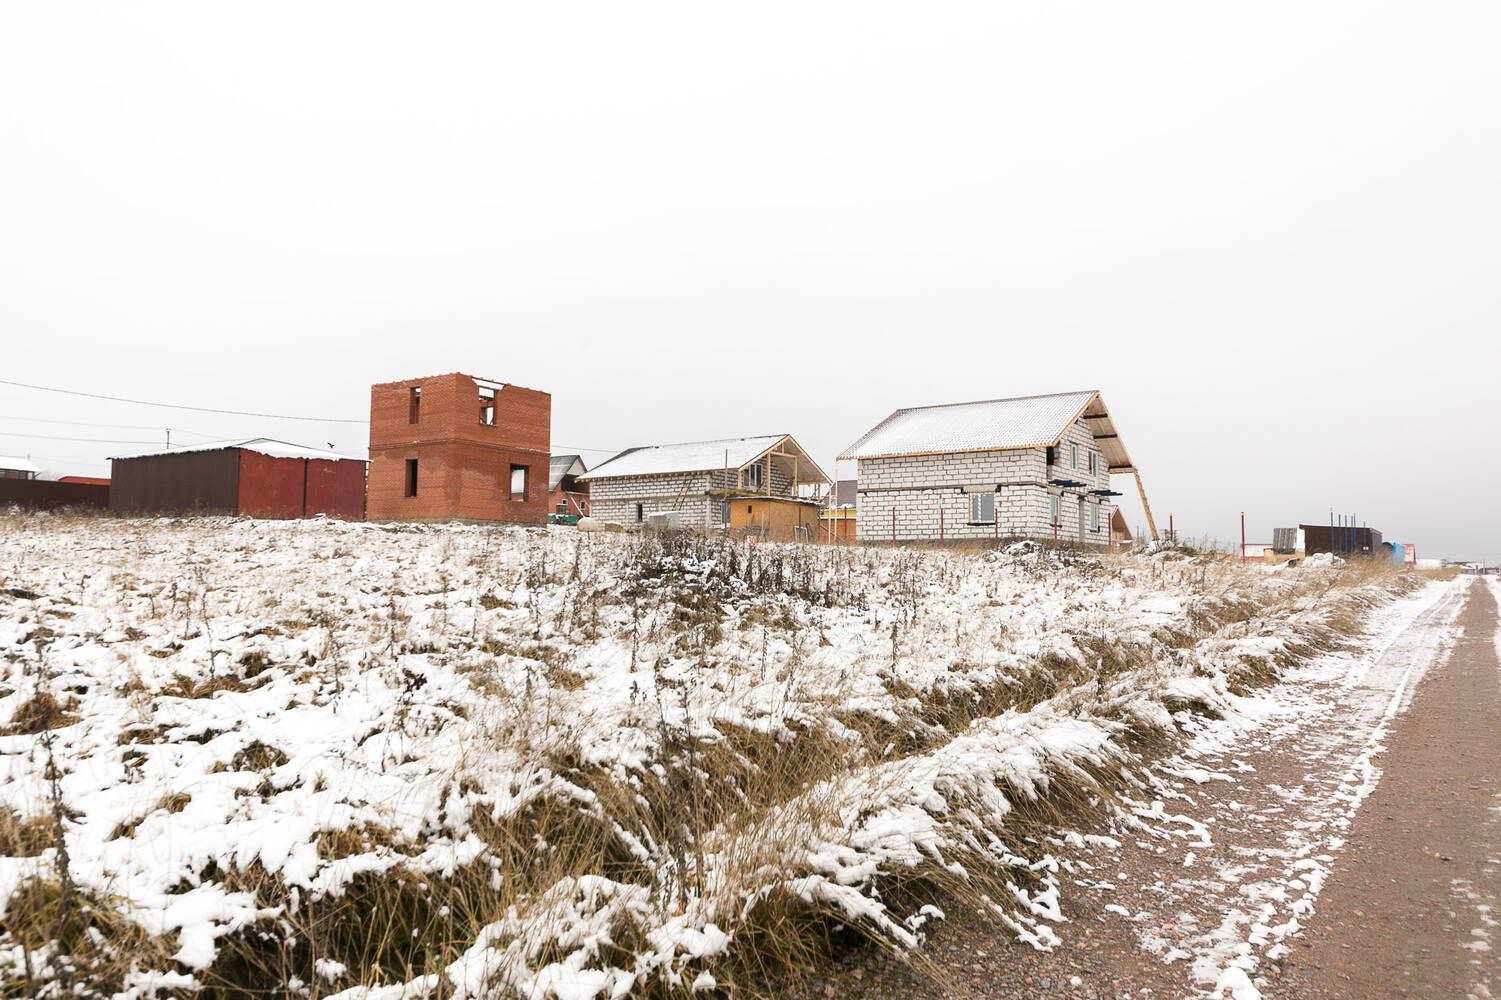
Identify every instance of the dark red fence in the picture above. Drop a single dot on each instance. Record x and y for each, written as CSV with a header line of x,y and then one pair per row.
x,y
37,494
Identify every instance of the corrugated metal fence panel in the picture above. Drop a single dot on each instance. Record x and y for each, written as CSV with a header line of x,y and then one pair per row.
x,y
1284,540
38,494
202,481
270,487
336,489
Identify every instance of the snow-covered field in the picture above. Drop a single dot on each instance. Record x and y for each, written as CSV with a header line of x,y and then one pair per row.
x,y
316,757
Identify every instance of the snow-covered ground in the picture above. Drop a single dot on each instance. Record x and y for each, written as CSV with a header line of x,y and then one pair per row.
x,y
1276,841
405,760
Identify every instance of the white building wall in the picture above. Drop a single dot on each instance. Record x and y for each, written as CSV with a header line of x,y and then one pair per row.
x,y
910,498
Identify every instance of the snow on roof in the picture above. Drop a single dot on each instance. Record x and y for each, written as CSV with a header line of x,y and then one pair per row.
x,y
564,465
263,446
1022,422
694,456
19,464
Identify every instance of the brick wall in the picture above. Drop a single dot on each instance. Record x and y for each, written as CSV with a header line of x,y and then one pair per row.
x,y
463,465
917,488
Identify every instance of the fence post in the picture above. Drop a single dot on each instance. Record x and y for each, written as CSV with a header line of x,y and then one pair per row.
x,y
940,524
1242,537
893,526
997,512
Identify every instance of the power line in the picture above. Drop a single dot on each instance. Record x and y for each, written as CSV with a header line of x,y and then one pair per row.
x,y
181,406
54,437
91,423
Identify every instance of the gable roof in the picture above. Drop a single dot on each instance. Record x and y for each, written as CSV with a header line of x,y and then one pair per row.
x,y
19,465
264,446
559,466
694,456
992,425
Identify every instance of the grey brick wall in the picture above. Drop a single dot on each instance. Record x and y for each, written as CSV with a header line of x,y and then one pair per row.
x,y
615,498
921,492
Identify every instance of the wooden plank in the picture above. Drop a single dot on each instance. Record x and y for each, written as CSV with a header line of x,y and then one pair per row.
x,y
1145,506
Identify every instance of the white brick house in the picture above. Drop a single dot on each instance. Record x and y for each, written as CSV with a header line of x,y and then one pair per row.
x,y
1033,466
697,480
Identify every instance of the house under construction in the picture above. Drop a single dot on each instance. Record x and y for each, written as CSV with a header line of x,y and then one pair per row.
x,y
758,485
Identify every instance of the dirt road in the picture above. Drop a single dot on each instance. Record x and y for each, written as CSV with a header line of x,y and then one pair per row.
x,y
1411,908
1346,846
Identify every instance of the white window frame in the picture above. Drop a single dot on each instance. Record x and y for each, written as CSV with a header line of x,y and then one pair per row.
x,y
1094,517
754,477
521,472
1057,506
977,512
1073,456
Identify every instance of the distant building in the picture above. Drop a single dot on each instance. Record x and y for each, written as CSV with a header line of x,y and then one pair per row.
x,y
748,484
18,468
456,446
837,521
1341,540
1033,466
254,477
565,494
86,480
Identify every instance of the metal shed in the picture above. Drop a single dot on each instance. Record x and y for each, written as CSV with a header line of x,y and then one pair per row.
x,y
255,477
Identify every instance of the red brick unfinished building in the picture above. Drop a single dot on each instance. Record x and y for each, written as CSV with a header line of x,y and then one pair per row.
x,y
455,446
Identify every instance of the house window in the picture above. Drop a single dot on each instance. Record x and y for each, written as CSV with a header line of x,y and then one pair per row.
x,y
754,477
1094,517
1052,455
1073,456
1055,511
640,512
518,482
981,508
724,513
1091,463
414,403
487,406
411,490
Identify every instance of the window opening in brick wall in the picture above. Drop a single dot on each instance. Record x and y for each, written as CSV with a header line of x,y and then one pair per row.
x,y
1091,463
414,404
981,508
755,477
411,490
518,482
563,508
1055,512
1073,456
724,513
1052,454
640,512
487,407
1094,517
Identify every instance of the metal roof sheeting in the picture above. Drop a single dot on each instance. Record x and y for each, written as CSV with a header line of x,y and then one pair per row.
x,y
694,456
265,446
559,466
992,425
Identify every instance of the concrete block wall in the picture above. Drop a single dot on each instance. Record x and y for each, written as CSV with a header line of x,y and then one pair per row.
x,y
615,499
917,488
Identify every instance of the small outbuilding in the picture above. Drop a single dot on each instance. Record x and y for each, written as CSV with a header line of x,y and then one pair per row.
x,y
750,483
254,477
565,494
12,467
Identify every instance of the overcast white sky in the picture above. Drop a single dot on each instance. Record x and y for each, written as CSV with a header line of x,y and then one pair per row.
x,y
1270,233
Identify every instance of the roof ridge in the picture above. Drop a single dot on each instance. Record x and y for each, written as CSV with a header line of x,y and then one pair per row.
x,y
999,399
